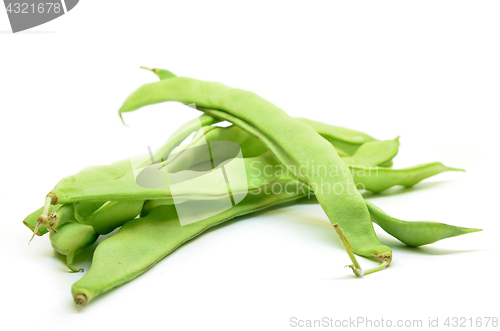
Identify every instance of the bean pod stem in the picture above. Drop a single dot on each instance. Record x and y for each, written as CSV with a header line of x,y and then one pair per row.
x,y
355,266
47,218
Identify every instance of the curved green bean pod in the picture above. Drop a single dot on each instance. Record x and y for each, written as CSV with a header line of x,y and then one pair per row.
x,y
110,215
71,238
372,153
143,242
292,142
346,141
126,188
378,179
415,233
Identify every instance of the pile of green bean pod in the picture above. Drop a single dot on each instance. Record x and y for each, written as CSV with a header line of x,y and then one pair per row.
x,y
273,148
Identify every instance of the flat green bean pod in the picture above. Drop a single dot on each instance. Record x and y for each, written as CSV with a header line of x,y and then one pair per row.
x,y
125,188
143,242
378,179
415,233
346,141
292,142
71,238
110,215
96,174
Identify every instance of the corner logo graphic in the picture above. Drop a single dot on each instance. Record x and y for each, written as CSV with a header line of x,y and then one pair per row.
x,y
25,14
203,178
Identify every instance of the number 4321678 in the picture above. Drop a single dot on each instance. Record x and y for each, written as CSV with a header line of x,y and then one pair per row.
x,y
40,8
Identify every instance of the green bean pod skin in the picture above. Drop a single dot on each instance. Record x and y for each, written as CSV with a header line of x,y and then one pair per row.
x,y
415,233
378,179
292,142
94,174
110,215
344,139
126,188
71,238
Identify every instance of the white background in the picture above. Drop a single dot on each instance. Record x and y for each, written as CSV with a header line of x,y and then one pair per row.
x,y
428,71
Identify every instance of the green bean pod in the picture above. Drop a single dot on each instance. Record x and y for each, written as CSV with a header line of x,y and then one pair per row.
x,y
292,142
346,141
143,242
110,215
415,233
126,188
71,238
378,179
